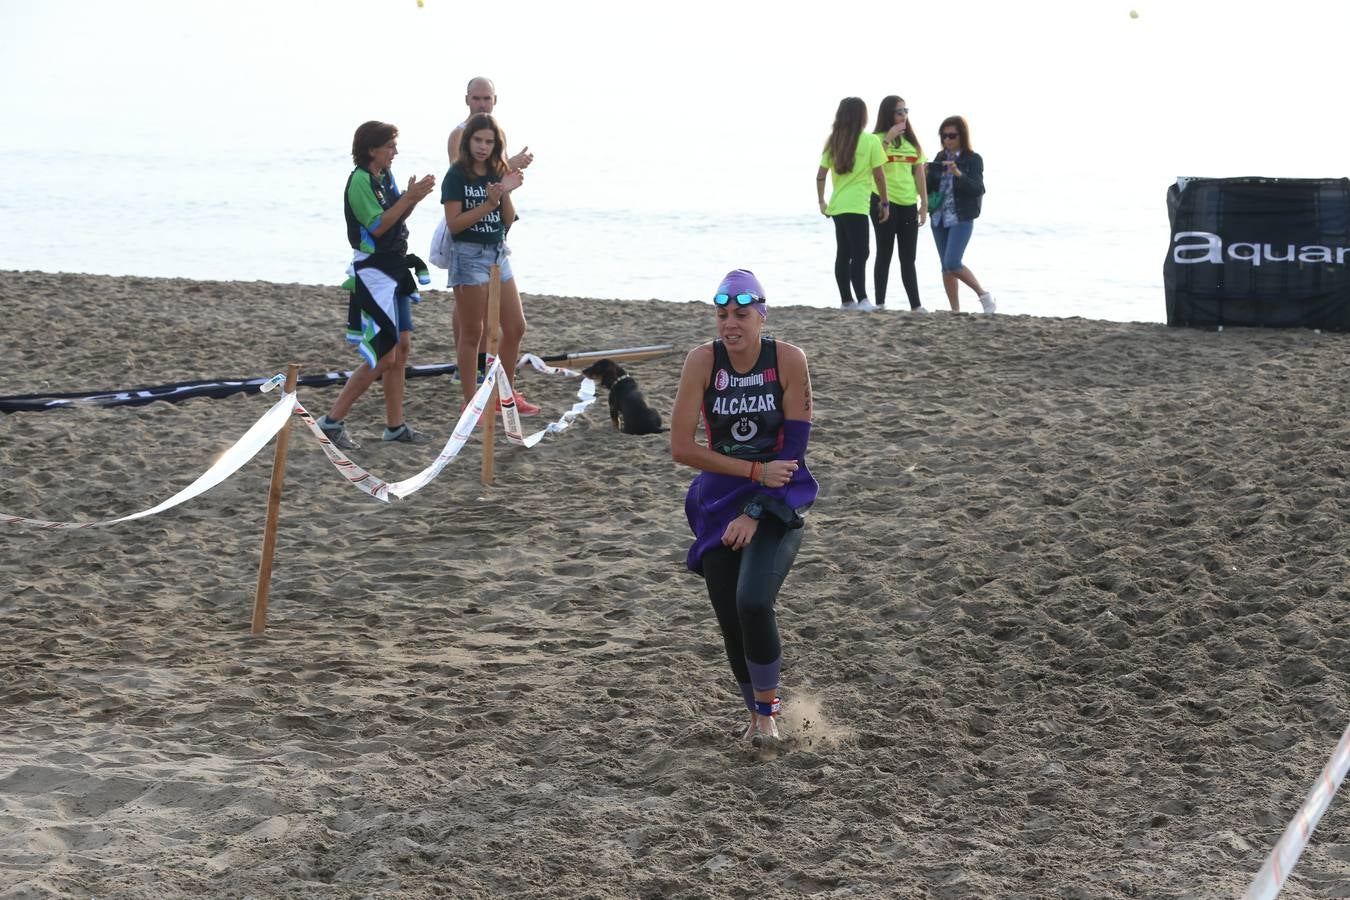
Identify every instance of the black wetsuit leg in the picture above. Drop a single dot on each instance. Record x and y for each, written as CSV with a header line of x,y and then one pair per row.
x,y
743,585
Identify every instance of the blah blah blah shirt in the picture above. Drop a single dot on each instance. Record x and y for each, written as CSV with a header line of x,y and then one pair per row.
x,y
471,191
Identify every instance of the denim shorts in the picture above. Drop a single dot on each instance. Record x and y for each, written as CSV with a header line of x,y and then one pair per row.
x,y
473,262
405,313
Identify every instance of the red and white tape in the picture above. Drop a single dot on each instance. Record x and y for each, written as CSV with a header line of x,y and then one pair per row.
x,y
229,462
511,417
1289,848
384,490
275,418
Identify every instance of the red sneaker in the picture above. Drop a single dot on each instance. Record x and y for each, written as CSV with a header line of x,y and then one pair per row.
x,y
523,407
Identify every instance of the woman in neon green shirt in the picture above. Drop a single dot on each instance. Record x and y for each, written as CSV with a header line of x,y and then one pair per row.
x,y
854,159
907,191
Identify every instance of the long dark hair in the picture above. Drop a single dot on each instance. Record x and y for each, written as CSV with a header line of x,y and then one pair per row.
x,y
886,118
496,161
849,121
961,128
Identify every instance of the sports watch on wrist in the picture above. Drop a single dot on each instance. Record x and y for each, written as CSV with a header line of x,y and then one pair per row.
x,y
754,509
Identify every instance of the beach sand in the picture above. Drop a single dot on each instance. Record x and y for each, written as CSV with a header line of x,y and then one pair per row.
x,y
1069,619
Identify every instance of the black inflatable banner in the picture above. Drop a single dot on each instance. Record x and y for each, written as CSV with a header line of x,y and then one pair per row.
x,y
1259,252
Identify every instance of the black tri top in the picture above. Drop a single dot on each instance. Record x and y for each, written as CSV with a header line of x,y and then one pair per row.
x,y
743,411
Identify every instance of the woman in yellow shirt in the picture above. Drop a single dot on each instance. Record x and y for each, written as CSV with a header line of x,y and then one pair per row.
x,y
853,158
907,191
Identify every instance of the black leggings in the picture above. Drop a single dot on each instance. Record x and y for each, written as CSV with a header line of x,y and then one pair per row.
x,y
902,229
743,585
850,255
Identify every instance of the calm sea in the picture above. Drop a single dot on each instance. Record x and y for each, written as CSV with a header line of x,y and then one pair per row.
x,y
217,216
157,137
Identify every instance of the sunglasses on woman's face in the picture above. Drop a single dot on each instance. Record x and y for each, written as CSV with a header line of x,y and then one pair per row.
x,y
742,299
902,110
950,135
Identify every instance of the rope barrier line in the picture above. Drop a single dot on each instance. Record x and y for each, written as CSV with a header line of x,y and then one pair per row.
x,y
356,476
383,490
229,462
1268,882
511,416
275,418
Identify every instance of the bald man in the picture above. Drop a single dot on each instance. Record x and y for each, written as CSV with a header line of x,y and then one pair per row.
x,y
481,97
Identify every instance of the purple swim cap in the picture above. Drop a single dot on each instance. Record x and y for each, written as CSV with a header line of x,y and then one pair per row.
x,y
743,281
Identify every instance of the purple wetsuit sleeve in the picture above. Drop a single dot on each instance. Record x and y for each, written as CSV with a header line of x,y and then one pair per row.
x,y
796,434
714,499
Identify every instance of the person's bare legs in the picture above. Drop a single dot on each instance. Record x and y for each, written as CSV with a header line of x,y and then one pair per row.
x,y
951,285
454,324
396,379
968,278
513,329
363,377
471,306
454,330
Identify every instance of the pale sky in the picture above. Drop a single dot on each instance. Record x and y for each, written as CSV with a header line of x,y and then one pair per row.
x,y
1084,114
665,100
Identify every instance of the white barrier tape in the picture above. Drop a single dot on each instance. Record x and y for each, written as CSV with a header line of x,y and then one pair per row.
x,y
511,417
356,476
382,490
463,429
275,419
229,462
1285,856
376,487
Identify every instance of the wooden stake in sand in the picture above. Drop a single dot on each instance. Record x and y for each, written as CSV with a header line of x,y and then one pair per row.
x,y
494,316
273,511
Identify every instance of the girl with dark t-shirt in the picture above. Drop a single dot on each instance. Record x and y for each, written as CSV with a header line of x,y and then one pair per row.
x,y
476,195
754,395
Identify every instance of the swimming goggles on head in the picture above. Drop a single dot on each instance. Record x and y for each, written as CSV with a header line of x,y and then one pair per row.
x,y
742,299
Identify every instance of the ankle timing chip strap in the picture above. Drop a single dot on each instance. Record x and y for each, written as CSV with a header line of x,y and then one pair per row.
x,y
763,708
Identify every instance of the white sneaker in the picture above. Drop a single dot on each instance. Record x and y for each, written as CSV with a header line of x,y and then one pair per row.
x,y
918,309
865,305
849,305
987,301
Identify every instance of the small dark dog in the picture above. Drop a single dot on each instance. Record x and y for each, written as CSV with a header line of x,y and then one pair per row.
x,y
628,409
